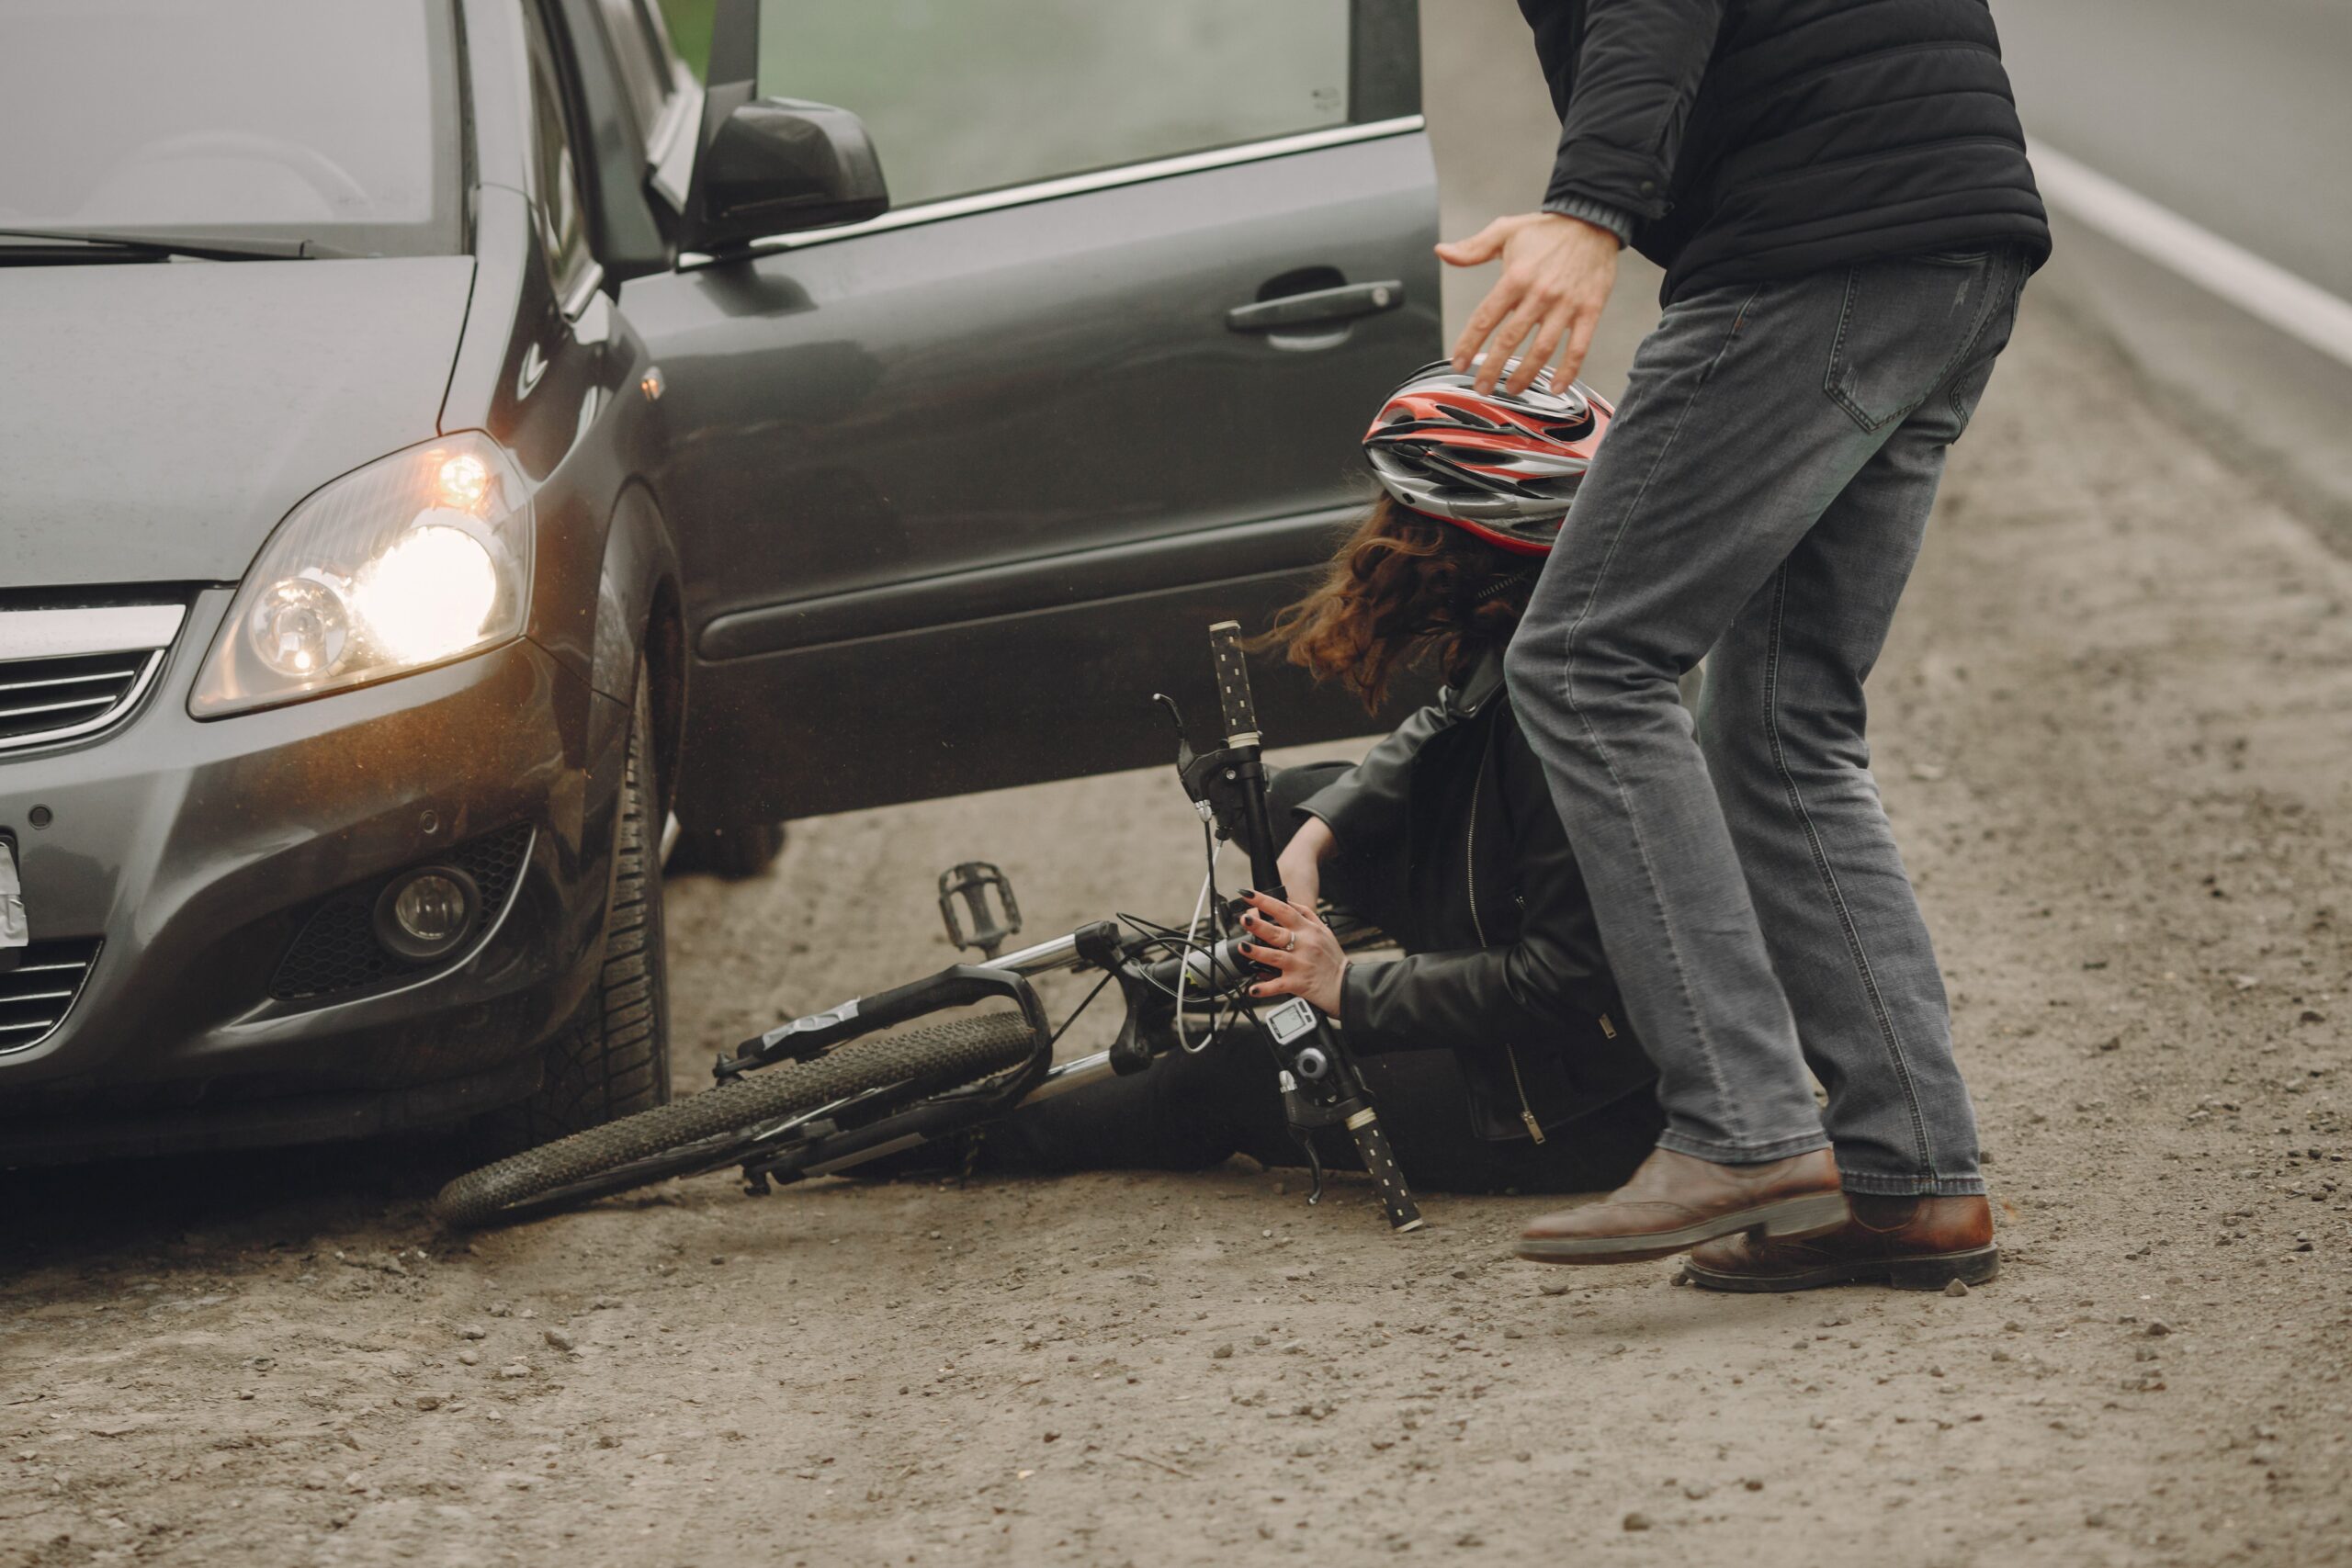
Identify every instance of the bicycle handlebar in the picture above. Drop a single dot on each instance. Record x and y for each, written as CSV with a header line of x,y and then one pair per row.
x,y
1372,1147
1233,683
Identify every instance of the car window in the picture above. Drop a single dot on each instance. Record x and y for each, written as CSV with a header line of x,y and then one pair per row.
x,y
962,96
335,121
638,47
556,206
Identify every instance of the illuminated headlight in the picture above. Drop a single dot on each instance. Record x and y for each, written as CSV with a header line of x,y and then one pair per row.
x,y
414,560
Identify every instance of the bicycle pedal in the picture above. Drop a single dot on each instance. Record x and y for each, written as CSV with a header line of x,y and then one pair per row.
x,y
990,924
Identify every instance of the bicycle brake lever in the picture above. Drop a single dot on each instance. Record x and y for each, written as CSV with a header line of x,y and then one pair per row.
x,y
1176,721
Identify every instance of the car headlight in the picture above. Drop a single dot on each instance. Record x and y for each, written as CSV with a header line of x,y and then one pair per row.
x,y
414,560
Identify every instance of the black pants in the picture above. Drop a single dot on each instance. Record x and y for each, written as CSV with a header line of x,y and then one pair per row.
x,y
1188,1112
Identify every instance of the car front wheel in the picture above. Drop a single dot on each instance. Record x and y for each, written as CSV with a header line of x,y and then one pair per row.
x,y
613,1058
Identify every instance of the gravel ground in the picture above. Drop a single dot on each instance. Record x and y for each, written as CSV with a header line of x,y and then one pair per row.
x,y
2112,732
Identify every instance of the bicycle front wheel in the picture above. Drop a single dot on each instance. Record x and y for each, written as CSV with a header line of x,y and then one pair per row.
x,y
704,1132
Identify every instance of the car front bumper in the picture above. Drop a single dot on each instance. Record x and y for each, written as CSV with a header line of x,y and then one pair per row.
x,y
196,853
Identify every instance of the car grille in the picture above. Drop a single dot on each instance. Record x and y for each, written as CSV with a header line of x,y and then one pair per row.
x,y
41,990
65,673
337,950
42,697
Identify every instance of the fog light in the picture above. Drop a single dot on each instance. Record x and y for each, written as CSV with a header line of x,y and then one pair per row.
x,y
427,913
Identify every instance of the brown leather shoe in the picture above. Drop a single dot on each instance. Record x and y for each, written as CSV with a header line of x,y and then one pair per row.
x,y
1912,1244
1675,1202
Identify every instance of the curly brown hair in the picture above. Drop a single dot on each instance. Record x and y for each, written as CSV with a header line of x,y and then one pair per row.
x,y
1402,589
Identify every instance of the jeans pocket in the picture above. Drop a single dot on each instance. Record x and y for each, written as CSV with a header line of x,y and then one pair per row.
x,y
1904,326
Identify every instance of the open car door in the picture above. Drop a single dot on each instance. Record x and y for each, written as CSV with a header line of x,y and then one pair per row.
x,y
957,486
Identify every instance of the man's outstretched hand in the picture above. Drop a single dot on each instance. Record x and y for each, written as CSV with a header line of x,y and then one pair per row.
x,y
1557,272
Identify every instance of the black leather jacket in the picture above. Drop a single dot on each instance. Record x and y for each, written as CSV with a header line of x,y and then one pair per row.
x,y
1453,846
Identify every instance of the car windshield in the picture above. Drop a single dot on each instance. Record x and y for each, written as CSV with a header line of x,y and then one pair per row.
x,y
332,121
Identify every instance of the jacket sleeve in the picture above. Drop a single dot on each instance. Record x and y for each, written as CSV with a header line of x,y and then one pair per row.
x,y
1483,999
1638,70
1367,804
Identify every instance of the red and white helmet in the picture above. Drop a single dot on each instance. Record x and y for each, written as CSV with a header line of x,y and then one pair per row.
x,y
1503,467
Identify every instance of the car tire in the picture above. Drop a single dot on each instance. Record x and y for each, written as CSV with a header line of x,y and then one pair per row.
x,y
613,1058
733,854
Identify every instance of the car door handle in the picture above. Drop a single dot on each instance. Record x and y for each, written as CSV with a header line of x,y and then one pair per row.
x,y
1342,304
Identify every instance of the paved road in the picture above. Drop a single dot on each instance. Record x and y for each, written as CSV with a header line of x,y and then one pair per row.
x,y
2237,115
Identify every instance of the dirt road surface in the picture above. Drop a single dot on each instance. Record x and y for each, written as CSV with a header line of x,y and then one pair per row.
x,y
2115,732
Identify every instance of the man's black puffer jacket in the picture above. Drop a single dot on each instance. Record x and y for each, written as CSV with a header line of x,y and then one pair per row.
x,y
1759,139
1449,840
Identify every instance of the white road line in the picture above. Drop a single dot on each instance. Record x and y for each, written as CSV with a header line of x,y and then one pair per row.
x,y
2302,310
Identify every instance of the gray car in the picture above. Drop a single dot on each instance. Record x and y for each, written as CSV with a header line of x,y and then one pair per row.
x,y
441,440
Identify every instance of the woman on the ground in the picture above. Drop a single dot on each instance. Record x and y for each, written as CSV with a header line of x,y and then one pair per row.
x,y
1495,1047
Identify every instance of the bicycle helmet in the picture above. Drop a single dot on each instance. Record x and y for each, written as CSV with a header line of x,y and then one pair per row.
x,y
1502,468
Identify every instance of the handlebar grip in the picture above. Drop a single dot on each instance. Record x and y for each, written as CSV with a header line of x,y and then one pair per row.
x,y
1396,1198
1233,681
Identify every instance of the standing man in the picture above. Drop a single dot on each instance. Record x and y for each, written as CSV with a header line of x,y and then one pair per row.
x,y
1838,192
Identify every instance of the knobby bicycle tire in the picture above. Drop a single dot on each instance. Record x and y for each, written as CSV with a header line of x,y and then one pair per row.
x,y
920,1063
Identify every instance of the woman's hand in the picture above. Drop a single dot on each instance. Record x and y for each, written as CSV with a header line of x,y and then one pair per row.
x,y
1301,862
1292,941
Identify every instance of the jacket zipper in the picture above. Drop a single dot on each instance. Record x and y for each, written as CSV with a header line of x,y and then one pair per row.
x,y
1470,871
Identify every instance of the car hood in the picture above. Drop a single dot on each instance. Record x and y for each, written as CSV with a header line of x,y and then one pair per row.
x,y
157,419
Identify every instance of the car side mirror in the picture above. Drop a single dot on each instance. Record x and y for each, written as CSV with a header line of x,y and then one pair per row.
x,y
777,165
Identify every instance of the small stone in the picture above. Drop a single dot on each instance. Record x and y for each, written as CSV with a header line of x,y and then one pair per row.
x,y
1957,1288
607,1441
1694,1490
717,1258
1637,1520
473,1331
1753,1484
1461,1273
515,1370
1222,1353
469,1358
2157,1329
428,1401
2095,1518
500,1309
1553,1287
558,1338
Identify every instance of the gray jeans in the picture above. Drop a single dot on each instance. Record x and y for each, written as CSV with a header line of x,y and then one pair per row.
x,y
1759,503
